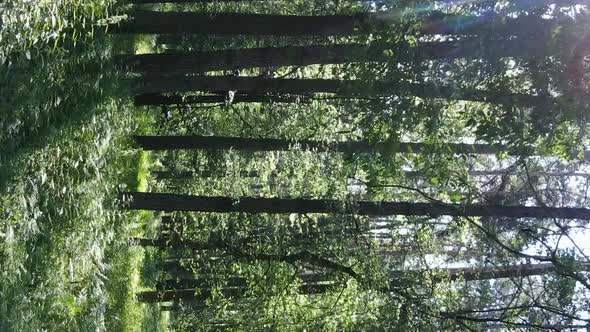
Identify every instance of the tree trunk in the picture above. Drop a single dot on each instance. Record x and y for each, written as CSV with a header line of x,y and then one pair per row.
x,y
201,294
169,307
177,270
306,278
533,173
258,85
185,175
433,23
521,4
500,172
169,39
155,143
497,272
187,1
247,24
180,202
143,242
175,243
171,284
454,274
478,273
489,24
159,99
191,175
202,62
185,294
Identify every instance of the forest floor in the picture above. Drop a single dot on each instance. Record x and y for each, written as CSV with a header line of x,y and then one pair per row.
x,y
65,154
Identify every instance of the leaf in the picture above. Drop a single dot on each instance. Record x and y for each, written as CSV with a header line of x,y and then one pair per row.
x,y
456,197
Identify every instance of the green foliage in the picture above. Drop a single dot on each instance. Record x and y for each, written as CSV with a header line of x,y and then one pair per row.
x,y
64,155
65,119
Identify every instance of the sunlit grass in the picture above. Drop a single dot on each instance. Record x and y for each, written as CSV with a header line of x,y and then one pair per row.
x,y
144,44
65,154
65,119
143,171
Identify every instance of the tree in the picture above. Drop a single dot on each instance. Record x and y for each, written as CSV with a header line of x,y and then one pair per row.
x,y
187,1
219,98
235,254
179,202
165,84
431,23
348,147
201,62
248,24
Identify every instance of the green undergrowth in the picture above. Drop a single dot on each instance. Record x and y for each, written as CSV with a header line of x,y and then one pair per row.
x,y
61,222
64,255
131,268
65,154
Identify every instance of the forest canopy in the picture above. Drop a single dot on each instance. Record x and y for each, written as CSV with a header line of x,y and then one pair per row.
x,y
296,165
388,165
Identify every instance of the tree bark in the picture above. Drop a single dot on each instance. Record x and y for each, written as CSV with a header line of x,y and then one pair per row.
x,y
203,174
497,272
180,202
185,175
258,85
155,143
176,243
306,278
202,62
533,173
169,307
489,24
433,23
201,294
479,273
521,4
177,270
169,39
185,294
160,99
501,172
247,24
187,1
454,274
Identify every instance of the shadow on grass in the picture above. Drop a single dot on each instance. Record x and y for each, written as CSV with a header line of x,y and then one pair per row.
x,y
47,92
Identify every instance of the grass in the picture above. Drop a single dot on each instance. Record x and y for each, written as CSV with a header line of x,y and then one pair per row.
x,y
60,218
131,268
65,261
65,264
124,277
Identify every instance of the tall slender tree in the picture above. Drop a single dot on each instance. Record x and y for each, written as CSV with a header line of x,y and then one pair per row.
x,y
431,23
219,98
180,202
348,147
248,24
165,84
201,62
